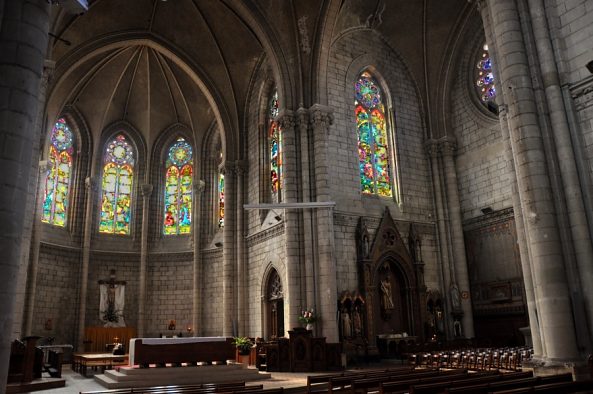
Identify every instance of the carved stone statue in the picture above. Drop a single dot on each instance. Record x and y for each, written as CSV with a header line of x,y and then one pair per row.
x,y
346,324
357,322
386,298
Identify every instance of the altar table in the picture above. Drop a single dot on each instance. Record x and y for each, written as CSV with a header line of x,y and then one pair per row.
x,y
160,351
81,361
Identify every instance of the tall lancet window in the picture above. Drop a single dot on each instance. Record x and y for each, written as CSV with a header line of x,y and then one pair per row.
x,y
118,177
178,188
485,78
373,147
274,148
57,182
220,199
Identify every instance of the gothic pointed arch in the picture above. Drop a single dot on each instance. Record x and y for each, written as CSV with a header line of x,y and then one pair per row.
x,y
121,166
373,130
59,174
389,284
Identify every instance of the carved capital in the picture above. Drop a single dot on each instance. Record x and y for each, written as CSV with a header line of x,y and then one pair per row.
x,y
432,148
241,167
90,184
302,119
321,116
199,186
480,4
146,190
502,110
286,119
447,146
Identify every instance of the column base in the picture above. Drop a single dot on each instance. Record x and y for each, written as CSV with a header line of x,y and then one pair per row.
x,y
543,366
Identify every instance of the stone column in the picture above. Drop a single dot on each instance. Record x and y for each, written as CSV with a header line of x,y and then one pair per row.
x,y
535,191
146,190
321,119
571,185
197,282
432,149
293,302
91,190
447,148
35,240
242,275
307,178
517,210
23,43
228,251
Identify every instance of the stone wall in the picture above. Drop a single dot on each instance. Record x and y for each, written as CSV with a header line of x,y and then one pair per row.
x,y
57,293
212,312
350,54
484,176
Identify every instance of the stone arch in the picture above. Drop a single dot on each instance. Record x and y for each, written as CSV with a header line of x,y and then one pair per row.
x,y
272,268
212,93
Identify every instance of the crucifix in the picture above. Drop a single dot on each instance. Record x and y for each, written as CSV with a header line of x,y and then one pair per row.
x,y
112,303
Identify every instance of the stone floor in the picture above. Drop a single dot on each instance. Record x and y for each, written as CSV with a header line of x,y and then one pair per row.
x,y
75,383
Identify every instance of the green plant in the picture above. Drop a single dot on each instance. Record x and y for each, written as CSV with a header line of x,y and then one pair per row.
x,y
244,344
307,317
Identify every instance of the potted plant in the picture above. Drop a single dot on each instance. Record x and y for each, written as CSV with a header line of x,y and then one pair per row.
x,y
308,317
243,344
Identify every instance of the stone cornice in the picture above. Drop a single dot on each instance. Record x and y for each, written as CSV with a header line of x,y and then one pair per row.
x,y
264,235
489,219
349,220
582,92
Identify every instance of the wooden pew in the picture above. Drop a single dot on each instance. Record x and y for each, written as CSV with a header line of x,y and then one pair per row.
x,y
438,387
476,378
554,388
344,382
320,383
373,383
510,384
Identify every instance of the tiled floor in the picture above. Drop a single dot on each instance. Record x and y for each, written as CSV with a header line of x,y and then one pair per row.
x,y
75,383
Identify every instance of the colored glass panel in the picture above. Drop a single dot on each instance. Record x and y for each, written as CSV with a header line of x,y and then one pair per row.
x,y
275,148
57,181
118,177
178,189
485,78
221,200
373,147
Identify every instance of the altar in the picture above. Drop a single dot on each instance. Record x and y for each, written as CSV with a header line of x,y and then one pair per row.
x,y
161,351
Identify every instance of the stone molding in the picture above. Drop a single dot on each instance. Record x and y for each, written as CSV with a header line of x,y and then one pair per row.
x,y
582,93
321,116
264,235
286,119
146,190
489,219
350,220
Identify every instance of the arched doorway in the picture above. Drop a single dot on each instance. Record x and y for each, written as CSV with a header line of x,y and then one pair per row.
x,y
274,306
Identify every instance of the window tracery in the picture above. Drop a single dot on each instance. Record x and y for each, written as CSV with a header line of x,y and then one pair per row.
x,y
117,181
373,147
57,181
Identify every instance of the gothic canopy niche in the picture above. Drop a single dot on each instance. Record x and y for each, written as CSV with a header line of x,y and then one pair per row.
x,y
389,285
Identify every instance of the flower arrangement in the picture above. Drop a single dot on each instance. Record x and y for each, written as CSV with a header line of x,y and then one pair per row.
x,y
307,316
111,315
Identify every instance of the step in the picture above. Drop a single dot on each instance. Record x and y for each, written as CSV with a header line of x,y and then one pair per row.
x,y
144,377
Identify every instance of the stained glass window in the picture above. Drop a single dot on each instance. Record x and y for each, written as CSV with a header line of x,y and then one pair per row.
x,y
373,149
178,188
118,176
485,78
221,200
275,148
57,181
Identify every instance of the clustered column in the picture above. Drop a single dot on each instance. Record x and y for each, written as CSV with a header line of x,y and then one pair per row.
x,y
242,275
518,213
321,118
459,290
146,192
535,191
291,235
228,252
197,286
